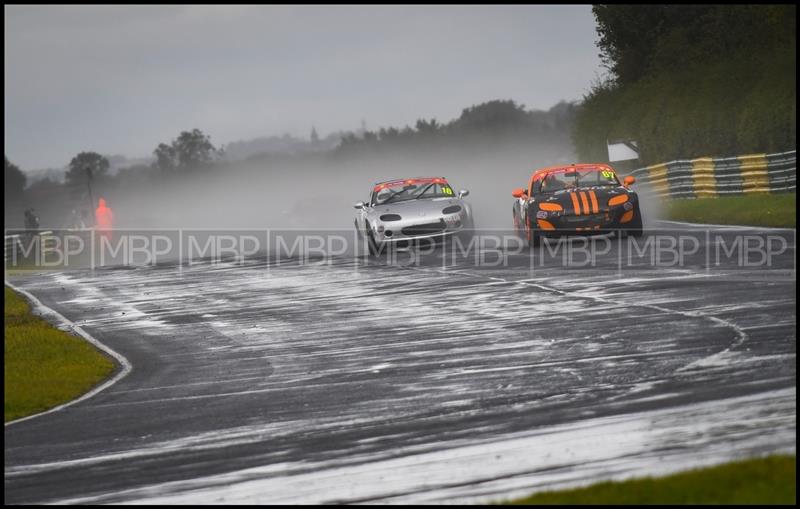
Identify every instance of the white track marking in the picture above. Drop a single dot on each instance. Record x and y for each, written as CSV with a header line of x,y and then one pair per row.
x,y
53,315
727,226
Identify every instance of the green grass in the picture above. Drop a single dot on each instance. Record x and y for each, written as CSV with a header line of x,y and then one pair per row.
x,y
44,366
753,210
769,480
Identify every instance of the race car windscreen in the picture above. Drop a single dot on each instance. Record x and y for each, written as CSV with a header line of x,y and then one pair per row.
x,y
411,191
573,178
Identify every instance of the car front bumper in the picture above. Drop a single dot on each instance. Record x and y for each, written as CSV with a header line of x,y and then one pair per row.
x,y
423,228
602,222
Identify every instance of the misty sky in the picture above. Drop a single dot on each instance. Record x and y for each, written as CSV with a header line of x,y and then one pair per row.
x,y
121,79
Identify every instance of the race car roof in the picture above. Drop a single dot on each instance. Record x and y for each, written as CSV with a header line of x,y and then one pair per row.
x,y
569,167
406,181
537,174
541,172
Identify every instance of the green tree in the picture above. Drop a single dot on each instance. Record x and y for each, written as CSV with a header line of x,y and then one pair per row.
x,y
630,35
640,40
192,149
693,80
483,125
427,128
14,181
77,174
166,158
491,118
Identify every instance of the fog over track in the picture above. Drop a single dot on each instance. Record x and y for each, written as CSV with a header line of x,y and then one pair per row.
x,y
318,191
371,380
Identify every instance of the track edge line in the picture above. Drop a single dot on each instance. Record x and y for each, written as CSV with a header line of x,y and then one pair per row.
x,y
47,312
728,226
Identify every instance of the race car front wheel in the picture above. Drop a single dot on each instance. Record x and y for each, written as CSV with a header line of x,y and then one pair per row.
x,y
635,227
372,244
517,225
533,236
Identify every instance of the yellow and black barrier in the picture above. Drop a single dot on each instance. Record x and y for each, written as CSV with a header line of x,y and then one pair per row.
x,y
708,177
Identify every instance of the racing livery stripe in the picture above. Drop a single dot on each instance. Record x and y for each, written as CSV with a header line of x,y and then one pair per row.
x,y
585,202
595,208
575,203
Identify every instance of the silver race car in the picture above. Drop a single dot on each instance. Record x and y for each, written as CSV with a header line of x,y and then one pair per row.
x,y
400,211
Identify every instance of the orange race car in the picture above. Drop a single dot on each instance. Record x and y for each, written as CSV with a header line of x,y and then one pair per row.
x,y
576,199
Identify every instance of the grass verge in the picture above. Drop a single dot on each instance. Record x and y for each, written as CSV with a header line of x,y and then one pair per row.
x,y
777,210
769,480
44,366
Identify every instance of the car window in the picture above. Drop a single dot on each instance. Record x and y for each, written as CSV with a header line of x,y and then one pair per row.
x,y
411,189
571,178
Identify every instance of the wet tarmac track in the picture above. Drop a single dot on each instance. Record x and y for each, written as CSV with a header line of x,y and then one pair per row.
x,y
439,381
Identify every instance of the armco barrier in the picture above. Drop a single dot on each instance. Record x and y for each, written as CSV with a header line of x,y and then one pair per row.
x,y
707,177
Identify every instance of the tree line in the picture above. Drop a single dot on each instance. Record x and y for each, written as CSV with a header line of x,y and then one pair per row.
x,y
495,124
487,125
190,151
692,80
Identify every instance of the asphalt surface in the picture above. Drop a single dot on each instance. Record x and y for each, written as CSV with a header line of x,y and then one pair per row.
x,y
451,378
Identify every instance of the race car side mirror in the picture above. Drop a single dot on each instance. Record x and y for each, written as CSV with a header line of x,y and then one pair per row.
x,y
629,180
518,192
463,193
359,205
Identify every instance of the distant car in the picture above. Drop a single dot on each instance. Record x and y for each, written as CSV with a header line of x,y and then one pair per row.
x,y
410,209
576,199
